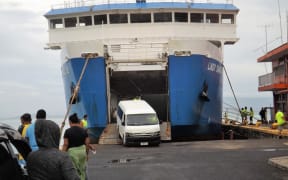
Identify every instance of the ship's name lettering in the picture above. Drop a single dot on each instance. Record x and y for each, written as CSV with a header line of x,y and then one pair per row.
x,y
214,67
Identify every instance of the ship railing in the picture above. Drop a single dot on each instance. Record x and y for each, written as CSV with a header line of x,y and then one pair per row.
x,y
231,114
81,3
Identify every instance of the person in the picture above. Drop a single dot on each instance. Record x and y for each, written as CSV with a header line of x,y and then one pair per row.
x,y
26,121
242,115
262,115
251,115
281,122
76,143
30,134
26,118
48,162
245,113
84,122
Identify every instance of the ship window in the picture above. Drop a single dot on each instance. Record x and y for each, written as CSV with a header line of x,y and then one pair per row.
x,y
56,23
70,22
100,19
227,19
85,21
181,17
212,18
196,17
140,18
163,17
118,18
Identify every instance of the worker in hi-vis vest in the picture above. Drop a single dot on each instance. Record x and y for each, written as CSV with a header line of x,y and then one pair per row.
x,y
84,122
281,122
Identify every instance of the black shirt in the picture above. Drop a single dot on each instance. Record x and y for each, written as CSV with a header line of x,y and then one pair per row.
x,y
76,136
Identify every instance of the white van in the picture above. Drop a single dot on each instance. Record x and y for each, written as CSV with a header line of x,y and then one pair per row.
x,y
137,122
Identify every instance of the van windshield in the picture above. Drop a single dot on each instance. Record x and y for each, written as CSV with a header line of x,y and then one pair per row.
x,y
142,119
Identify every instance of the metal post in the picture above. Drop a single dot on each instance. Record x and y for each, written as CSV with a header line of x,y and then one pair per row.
x,y
280,22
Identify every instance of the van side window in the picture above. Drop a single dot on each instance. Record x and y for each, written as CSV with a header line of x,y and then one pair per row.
x,y
119,112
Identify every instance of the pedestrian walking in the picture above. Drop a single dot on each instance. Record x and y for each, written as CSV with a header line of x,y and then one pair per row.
x,y
281,122
76,143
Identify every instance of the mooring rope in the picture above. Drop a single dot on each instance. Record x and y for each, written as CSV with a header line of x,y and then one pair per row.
x,y
231,88
77,87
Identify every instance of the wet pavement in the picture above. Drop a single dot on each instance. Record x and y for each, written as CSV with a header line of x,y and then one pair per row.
x,y
221,159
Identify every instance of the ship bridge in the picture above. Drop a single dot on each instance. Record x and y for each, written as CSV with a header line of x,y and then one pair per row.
x,y
145,28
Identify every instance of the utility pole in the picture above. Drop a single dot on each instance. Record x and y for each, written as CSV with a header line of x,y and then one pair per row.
x,y
287,24
280,22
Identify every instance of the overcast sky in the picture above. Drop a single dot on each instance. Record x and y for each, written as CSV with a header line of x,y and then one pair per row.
x,y
30,77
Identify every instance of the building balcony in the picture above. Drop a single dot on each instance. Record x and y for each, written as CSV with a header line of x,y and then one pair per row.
x,y
270,82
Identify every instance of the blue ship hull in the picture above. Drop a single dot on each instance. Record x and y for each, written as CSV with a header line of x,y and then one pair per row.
x,y
193,97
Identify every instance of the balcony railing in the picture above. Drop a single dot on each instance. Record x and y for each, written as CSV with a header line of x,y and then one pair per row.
x,y
266,80
270,82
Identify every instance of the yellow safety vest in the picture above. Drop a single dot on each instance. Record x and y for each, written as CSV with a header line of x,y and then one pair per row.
x,y
84,123
280,118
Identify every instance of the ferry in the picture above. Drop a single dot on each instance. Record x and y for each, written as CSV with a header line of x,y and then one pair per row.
x,y
168,53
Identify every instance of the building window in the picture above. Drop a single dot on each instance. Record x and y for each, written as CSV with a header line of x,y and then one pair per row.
x,y
100,19
279,70
85,21
181,17
70,22
56,23
227,19
118,18
163,17
140,18
212,18
196,17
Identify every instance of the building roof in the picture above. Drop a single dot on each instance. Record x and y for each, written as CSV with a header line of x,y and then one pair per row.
x,y
275,54
152,5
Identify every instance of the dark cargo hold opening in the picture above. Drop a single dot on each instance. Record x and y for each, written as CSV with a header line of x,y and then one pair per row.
x,y
151,86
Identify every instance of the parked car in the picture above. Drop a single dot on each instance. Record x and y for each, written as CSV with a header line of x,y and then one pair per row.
x,y
11,144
